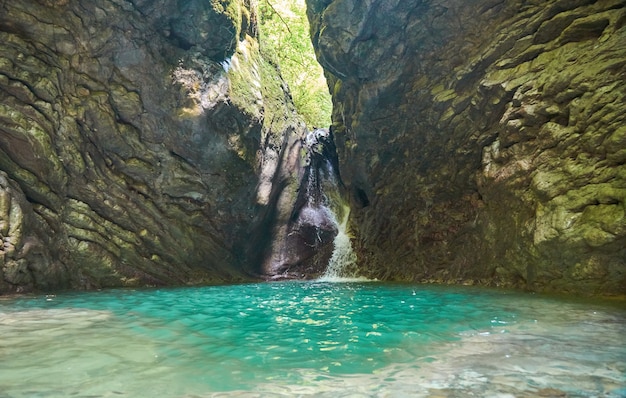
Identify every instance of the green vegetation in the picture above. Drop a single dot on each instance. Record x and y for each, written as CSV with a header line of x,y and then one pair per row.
x,y
284,31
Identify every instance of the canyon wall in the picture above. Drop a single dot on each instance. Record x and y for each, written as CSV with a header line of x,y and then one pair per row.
x,y
481,141
151,143
141,143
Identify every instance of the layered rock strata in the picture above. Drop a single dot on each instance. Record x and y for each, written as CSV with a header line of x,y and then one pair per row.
x,y
140,142
482,141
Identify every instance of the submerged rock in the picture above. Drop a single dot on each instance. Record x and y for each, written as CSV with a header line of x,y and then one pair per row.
x,y
484,141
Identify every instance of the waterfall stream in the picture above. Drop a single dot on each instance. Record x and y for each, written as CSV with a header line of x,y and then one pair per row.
x,y
327,188
310,238
342,263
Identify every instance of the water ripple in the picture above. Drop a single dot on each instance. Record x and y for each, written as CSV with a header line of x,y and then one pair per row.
x,y
310,338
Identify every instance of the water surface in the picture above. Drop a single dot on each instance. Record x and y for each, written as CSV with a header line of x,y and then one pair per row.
x,y
311,338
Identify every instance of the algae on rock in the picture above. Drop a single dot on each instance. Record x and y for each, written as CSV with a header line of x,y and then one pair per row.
x,y
133,136
482,142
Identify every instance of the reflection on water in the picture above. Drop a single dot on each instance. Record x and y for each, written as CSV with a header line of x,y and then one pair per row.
x,y
311,338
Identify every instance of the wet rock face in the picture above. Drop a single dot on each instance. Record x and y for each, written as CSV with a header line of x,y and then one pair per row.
x,y
305,229
138,140
482,141
25,257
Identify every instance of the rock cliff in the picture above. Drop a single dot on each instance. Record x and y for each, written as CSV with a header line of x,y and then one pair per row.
x,y
141,143
482,141
150,143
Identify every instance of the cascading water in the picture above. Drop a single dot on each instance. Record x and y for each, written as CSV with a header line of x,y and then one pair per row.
x,y
341,266
342,263
312,241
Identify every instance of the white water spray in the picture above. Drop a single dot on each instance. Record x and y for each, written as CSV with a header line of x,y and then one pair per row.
x,y
342,264
318,212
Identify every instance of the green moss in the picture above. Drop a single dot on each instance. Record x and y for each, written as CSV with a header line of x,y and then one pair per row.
x,y
285,38
596,237
232,10
245,79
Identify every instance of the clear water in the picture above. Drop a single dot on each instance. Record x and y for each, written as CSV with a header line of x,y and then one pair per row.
x,y
311,339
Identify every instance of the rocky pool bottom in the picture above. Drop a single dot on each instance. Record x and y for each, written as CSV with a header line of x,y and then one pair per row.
x,y
311,338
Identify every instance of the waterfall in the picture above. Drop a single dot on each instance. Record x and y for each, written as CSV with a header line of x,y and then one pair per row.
x,y
342,263
312,241
342,266
343,258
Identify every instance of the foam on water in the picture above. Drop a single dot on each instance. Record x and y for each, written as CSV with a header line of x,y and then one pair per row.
x,y
341,266
311,339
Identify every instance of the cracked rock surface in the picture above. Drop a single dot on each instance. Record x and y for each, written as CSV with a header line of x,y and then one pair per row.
x,y
138,141
482,141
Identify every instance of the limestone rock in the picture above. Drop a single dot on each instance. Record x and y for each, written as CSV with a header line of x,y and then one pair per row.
x,y
133,139
482,141
25,258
